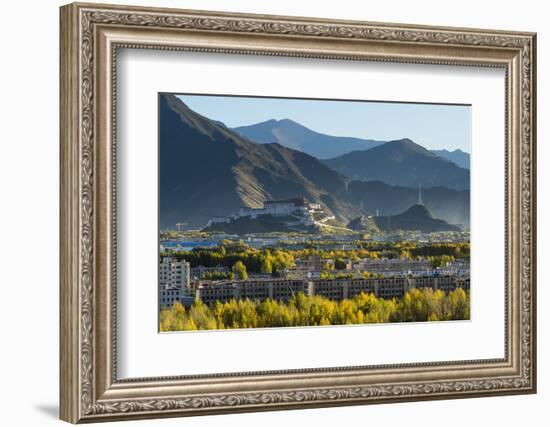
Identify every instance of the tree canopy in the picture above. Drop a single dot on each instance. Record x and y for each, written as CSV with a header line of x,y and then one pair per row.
x,y
418,305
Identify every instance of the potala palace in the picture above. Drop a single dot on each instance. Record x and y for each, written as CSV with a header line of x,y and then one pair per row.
x,y
299,208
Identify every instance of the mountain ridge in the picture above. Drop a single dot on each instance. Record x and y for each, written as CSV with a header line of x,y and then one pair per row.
x,y
457,156
294,135
401,162
208,170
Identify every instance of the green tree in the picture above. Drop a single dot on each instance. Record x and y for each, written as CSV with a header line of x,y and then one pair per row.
x,y
240,270
267,265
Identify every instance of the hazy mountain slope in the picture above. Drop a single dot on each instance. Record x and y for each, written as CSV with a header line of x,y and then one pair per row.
x,y
450,205
459,157
417,217
298,137
401,162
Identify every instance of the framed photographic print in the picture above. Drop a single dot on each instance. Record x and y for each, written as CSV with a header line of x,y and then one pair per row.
x,y
265,212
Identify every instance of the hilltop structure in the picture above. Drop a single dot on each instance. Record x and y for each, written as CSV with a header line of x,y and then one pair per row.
x,y
289,213
282,208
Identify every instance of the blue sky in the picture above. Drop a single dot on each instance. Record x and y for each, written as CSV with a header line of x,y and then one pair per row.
x,y
434,126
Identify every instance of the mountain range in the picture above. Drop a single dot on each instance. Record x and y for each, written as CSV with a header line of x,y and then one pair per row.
x,y
401,162
459,157
207,169
293,135
322,146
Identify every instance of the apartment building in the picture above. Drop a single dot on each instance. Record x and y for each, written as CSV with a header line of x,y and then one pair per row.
x,y
335,289
174,282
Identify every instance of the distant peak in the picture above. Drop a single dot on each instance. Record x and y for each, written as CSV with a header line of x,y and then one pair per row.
x,y
456,150
274,123
402,141
288,122
404,144
268,123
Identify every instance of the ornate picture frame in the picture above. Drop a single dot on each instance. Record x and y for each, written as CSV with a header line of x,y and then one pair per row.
x,y
90,37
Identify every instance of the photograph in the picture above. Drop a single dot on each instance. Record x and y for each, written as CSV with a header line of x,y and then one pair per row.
x,y
299,212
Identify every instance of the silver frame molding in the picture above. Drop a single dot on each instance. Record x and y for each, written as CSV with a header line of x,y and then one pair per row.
x,y
90,37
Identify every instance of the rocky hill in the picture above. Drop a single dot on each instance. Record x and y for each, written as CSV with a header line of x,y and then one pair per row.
x,y
416,218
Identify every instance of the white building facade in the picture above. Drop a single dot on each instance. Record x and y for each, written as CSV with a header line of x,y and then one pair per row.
x,y
174,281
298,206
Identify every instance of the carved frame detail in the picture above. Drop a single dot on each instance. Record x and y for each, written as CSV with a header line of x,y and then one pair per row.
x,y
80,399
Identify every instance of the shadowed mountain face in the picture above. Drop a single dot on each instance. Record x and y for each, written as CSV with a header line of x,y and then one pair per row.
x,y
401,162
293,135
459,157
417,217
208,170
